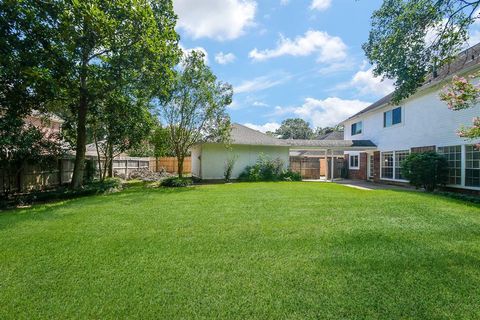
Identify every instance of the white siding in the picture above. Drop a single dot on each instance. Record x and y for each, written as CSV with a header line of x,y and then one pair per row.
x,y
214,157
426,121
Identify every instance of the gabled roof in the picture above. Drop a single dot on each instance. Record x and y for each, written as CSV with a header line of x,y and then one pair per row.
x,y
244,135
464,61
334,135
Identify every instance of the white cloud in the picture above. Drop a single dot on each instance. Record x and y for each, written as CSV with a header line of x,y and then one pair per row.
x,y
284,2
367,84
216,19
328,48
186,51
270,126
323,113
320,5
261,83
225,58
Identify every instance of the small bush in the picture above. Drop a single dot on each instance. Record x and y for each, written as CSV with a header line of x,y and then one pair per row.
x,y
176,182
460,196
289,175
110,185
229,164
266,169
425,170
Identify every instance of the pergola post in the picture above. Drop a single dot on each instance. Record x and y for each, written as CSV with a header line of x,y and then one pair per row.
x,y
326,164
331,166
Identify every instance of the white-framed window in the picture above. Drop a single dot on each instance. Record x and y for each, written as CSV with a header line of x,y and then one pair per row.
x,y
357,128
392,117
387,165
354,161
472,166
453,154
391,164
399,157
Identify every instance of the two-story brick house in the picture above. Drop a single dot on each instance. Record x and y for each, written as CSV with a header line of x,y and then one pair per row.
x,y
421,122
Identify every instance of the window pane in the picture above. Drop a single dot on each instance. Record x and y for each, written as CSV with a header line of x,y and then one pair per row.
x,y
400,156
397,115
454,156
472,172
387,119
387,165
356,128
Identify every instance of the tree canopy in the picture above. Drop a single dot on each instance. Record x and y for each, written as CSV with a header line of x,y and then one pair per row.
x,y
196,109
294,128
412,38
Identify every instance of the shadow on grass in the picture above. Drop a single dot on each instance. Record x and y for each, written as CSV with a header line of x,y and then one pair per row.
x,y
48,211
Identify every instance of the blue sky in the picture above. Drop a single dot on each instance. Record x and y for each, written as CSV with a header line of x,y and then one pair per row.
x,y
296,58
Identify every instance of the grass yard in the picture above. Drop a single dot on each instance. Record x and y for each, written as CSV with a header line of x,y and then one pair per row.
x,y
261,250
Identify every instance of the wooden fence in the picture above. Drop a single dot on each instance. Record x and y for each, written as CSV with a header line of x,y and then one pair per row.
x,y
35,177
170,164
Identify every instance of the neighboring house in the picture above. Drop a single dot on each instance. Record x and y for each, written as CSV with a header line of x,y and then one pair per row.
x,y
209,159
420,123
47,123
247,145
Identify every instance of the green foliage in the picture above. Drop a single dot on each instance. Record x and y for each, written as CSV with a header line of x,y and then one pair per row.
x,y
427,170
461,94
196,109
229,164
161,142
176,182
294,129
411,38
266,169
289,175
90,170
460,196
96,187
76,57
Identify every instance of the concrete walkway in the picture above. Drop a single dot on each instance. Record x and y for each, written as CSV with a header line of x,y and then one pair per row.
x,y
366,185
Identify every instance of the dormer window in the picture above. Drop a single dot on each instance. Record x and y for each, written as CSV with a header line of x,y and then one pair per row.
x,y
357,128
392,117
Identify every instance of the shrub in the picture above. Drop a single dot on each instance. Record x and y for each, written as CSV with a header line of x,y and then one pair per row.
x,y
176,182
289,175
427,170
266,169
229,164
109,185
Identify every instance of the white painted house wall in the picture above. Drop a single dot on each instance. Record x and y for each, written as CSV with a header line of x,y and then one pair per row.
x,y
426,121
211,164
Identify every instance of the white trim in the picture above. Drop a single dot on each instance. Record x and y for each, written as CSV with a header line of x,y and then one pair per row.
x,y
350,167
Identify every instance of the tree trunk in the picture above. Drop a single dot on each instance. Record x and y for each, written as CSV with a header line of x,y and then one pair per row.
x,y
110,160
79,167
180,166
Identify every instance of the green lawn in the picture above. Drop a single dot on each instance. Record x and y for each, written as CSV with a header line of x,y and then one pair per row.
x,y
260,250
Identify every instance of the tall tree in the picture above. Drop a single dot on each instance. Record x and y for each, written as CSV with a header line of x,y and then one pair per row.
x,y
108,46
412,38
26,82
295,129
196,109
